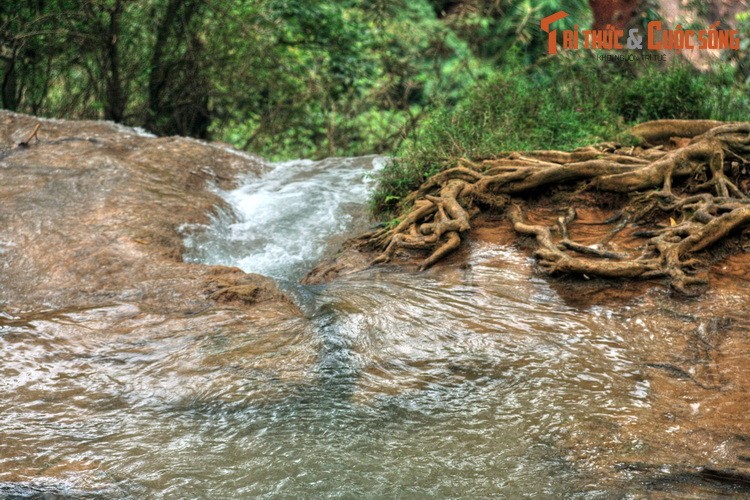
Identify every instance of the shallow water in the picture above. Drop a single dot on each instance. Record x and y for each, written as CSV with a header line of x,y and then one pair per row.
x,y
463,383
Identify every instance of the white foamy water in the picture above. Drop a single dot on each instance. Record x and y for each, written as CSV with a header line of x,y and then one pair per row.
x,y
283,222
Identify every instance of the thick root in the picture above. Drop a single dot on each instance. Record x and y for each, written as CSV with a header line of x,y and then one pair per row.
x,y
661,131
703,184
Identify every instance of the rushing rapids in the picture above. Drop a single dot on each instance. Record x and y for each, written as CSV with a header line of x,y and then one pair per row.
x,y
477,377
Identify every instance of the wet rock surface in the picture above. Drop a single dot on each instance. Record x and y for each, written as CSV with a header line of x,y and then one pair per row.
x,y
91,217
690,436
129,373
92,285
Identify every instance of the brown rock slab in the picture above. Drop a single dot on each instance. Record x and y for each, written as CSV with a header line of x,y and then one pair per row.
x,y
92,214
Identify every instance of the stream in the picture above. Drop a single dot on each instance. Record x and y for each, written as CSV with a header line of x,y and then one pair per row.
x,y
472,382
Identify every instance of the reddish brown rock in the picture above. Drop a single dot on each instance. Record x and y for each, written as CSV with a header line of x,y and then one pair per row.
x,y
91,217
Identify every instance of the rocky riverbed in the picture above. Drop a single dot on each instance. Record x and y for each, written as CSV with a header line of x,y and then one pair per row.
x,y
129,372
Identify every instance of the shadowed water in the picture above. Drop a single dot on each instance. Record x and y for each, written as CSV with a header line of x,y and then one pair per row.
x,y
480,382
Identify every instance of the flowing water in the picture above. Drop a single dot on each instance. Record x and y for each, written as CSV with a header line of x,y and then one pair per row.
x,y
282,225
469,383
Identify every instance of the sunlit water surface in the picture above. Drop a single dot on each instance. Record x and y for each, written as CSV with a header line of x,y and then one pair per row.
x,y
463,383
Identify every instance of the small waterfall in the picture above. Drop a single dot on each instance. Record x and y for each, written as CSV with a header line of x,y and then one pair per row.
x,y
286,220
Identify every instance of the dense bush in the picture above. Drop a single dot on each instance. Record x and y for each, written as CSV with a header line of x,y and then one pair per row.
x,y
681,92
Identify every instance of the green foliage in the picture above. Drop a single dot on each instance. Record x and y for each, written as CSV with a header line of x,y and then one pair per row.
x,y
682,92
431,80
282,78
497,28
517,109
739,61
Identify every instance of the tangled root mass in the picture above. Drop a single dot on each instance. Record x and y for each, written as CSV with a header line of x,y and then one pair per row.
x,y
698,186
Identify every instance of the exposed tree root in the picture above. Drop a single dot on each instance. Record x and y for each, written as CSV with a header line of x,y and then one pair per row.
x,y
702,184
33,135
